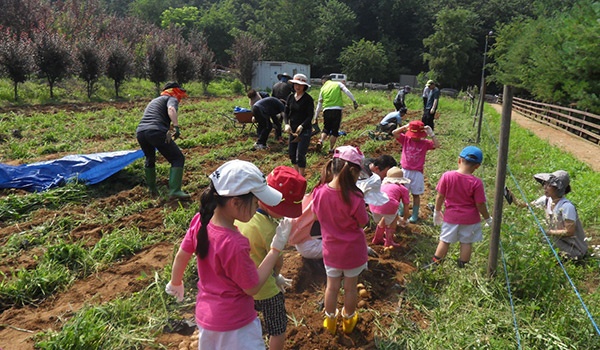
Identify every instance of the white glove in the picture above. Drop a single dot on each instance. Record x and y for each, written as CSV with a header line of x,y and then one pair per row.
x,y
282,282
438,218
428,131
287,128
488,222
176,291
282,234
299,129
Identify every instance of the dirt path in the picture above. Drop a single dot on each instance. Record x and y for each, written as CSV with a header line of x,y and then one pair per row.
x,y
581,149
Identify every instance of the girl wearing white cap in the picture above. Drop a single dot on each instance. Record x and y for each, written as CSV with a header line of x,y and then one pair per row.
x,y
228,278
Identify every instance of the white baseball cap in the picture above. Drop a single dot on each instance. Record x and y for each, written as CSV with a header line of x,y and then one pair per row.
x,y
238,177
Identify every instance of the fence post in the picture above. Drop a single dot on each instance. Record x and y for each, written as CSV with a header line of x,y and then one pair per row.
x,y
500,179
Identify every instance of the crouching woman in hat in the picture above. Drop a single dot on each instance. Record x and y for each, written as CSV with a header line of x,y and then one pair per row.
x,y
564,227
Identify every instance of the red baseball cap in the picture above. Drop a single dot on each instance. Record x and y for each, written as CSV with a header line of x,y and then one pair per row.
x,y
416,130
292,186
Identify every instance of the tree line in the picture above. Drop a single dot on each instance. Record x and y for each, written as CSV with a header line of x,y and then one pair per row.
x,y
368,40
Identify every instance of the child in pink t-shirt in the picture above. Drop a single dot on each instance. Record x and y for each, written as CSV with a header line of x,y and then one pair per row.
x,y
340,208
386,215
412,137
228,278
463,197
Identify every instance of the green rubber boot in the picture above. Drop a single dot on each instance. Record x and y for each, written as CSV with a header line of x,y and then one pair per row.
x,y
151,180
175,179
415,215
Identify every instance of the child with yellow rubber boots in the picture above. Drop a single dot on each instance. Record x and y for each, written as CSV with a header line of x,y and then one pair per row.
x,y
340,208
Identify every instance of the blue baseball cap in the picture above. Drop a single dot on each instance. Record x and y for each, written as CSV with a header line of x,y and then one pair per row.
x,y
472,154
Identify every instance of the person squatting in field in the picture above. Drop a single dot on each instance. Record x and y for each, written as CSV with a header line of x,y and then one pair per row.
x,y
264,111
564,227
386,215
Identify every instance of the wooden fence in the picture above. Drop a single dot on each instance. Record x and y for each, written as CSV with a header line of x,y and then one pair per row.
x,y
583,124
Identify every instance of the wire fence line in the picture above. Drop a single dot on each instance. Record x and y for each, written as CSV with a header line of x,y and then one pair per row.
x,y
556,255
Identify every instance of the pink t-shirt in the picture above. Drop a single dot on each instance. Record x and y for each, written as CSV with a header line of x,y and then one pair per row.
x,y
344,241
462,192
221,303
396,193
414,152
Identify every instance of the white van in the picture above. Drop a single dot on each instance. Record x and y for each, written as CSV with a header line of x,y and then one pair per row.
x,y
338,77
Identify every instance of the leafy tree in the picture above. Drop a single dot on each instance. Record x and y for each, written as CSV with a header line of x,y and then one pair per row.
x,y
151,10
403,24
119,64
219,23
286,27
53,57
205,63
246,50
449,48
336,23
78,20
184,17
184,69
16,60
25,16
118,8
157,64
364,60
90,64
552,63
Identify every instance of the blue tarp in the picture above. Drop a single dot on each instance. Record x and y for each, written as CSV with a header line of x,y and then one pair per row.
x,y
87,168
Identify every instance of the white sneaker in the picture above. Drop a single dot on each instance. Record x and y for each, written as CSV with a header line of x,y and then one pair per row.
x,y
258,146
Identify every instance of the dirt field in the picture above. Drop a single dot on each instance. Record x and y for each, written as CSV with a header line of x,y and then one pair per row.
x,y
384,280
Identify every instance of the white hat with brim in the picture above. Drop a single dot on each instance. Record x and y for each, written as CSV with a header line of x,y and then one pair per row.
x,y
395,175
371,188
300,79
238,177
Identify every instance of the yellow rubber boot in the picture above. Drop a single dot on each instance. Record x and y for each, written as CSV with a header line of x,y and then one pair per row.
x,y
349,322
330,322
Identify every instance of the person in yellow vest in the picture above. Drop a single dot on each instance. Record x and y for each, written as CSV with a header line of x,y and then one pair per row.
x,y
330,100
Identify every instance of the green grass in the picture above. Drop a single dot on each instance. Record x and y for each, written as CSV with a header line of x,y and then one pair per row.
x,y
467,309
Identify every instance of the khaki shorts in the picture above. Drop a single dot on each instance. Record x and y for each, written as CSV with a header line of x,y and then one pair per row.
x,y
452,233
